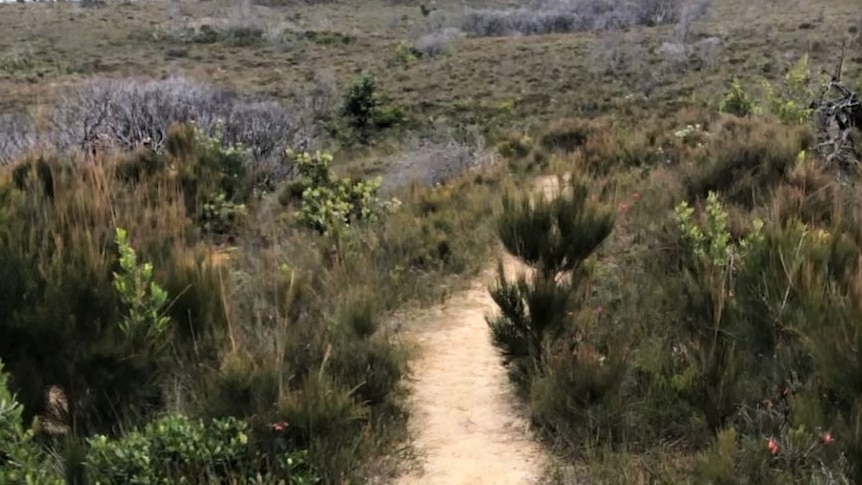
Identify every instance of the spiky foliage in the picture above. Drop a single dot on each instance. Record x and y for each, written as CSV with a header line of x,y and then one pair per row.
x,y
555,238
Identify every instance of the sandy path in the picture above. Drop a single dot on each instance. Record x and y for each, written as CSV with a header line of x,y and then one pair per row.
x,y
463,420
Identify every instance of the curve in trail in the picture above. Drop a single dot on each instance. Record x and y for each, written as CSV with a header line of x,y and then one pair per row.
x,y
463,421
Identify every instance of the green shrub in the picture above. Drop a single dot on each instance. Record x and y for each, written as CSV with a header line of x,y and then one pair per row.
x,y
736,101
22,459
361,102
366,111
328,201
145,299
176,449
555,238
791,102
709,320
64,320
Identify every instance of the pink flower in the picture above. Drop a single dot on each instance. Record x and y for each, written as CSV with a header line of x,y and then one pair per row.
x,y
279,426
623,206
826,438
636,196
773,446
600,309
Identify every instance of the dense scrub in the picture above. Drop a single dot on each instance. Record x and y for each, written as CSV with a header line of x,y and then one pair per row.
x,y
199,295
708,331
561,16
124,311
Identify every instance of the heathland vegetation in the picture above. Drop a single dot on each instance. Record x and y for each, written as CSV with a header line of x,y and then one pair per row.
x,y
218,222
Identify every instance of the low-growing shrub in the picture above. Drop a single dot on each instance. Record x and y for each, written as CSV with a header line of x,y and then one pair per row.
x,y
326,201
561,16
176,449
23,459
737,101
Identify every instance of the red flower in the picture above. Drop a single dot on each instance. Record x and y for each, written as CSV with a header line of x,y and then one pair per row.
x,y
279,426
773,446
826,438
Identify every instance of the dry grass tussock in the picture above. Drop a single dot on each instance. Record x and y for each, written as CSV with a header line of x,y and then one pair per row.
x,y
288,328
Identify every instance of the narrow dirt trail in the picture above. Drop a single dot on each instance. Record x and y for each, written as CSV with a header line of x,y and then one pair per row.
x,y
463,418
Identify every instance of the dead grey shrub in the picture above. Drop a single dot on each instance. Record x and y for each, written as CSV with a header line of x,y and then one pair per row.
x,y
563,16
17,135
129,112
617,53
319,102
708,51
689,13
437,43
430,162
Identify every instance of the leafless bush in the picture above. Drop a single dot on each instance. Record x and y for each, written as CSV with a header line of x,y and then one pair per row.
x,y
435,162
708,50
616,53
436,43
127,113
321,98
689,12
241,24
561,16
17,135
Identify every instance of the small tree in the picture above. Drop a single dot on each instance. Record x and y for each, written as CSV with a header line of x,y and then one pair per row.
x,y
361,103
366,110
555,238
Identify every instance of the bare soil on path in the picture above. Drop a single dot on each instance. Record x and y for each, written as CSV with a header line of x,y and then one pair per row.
x,y
463,418
464,421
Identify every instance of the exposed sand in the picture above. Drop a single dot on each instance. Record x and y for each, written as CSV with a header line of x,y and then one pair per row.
x,y
463,420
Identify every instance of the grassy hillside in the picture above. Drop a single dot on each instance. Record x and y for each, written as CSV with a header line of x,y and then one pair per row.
x,y
199,268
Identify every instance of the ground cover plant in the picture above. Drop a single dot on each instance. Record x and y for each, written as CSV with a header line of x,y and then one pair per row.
x,y
217,219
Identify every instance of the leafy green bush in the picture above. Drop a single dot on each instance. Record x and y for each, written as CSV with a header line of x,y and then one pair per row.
x,y
327,200
176,449
737,101
145,299
712,349
791,102
22,459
